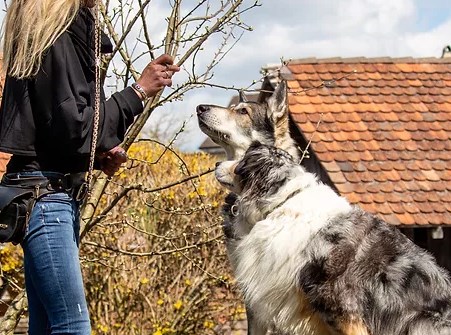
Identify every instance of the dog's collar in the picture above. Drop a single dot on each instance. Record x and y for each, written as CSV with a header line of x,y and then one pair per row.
x,y
234,210
291,195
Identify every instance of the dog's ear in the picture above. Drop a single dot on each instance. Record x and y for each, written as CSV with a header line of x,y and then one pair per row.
x,y
277,103
279,116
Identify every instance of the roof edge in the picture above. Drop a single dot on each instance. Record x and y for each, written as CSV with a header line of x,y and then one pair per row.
x,y
408,60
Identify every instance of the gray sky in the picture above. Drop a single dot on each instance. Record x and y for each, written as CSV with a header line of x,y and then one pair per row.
x,y
292,29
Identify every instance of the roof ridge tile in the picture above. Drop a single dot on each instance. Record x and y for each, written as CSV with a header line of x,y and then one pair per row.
x,y
385,60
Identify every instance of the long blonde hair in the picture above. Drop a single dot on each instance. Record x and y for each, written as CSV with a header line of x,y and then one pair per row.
x,y
30,28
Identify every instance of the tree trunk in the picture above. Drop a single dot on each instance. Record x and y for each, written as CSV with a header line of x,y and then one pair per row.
x,y
12,316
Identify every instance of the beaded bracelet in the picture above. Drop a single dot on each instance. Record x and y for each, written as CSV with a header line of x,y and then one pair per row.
x,y
139,88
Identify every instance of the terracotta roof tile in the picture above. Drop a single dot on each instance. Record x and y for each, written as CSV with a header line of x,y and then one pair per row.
x,y
331,166
369,207
345,189
352,198
387,187
366,177
385,132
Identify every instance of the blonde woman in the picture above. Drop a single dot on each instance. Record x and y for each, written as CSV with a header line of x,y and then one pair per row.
x,y
46,122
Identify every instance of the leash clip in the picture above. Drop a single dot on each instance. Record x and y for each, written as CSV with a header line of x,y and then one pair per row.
x,y
82,192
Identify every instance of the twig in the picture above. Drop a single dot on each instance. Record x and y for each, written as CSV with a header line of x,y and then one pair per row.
x,y
153,253
141,188
305,151
324,83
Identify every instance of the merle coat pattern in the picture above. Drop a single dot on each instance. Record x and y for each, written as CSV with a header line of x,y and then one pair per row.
x,y
311,263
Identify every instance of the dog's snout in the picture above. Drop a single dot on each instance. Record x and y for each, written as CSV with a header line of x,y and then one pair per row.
x,y
202,109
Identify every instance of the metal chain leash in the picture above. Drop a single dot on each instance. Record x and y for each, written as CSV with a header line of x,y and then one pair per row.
x,y
95,131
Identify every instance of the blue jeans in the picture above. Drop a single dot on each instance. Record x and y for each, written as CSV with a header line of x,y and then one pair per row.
x,y
53,279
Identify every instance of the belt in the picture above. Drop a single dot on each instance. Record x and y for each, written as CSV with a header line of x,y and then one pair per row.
x,y
72,183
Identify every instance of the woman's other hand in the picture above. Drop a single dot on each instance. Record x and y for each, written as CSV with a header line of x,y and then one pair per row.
x,y
111,161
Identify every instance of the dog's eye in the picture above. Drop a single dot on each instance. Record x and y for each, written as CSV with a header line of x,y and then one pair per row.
x,y
242,111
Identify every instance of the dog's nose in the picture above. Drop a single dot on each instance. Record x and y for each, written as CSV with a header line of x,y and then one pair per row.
x,y
218,163
202,109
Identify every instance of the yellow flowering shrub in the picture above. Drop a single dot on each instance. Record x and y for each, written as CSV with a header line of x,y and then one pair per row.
x,y
11,258
156,263
11,269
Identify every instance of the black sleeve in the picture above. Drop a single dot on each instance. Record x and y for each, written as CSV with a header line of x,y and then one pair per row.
x,y
63,104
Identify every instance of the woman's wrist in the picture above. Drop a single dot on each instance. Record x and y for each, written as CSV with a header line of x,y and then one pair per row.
x,y
140,91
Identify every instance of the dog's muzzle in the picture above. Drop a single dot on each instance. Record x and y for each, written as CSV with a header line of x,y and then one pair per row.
x,y
201,109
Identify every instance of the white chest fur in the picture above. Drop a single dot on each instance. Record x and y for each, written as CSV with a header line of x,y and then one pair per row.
x,y
269,257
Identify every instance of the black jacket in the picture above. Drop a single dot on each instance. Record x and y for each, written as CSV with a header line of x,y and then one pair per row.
x,y
46,122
